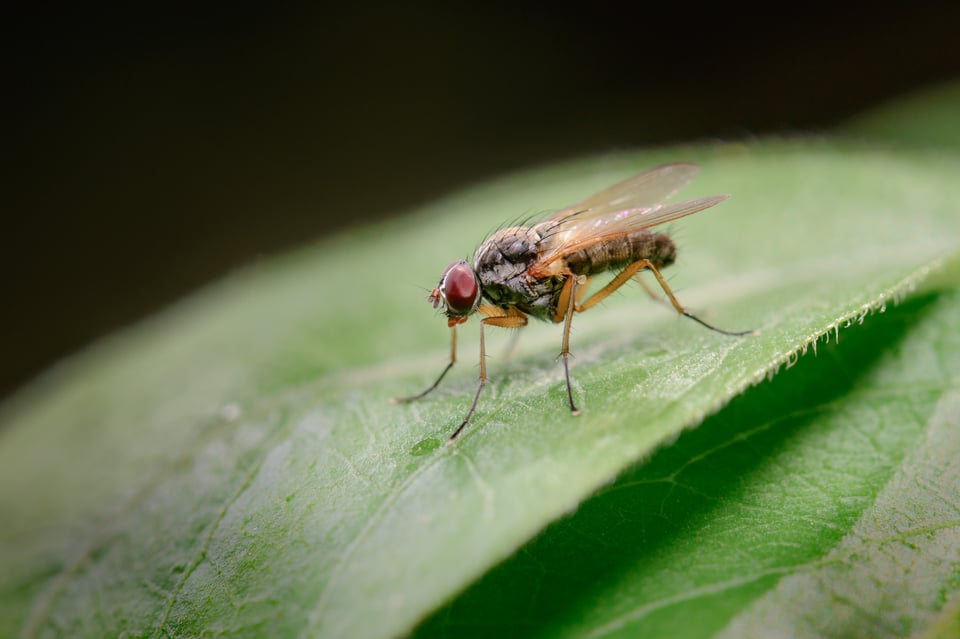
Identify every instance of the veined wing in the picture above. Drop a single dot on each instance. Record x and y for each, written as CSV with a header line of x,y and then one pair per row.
x,y
638,195
577,232
645,189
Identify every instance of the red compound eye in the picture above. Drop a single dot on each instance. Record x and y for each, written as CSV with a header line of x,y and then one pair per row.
x,y
460,288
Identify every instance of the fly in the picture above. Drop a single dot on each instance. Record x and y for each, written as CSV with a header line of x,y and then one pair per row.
x,y
543,270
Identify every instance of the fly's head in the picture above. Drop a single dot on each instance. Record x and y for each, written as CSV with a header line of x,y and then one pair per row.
x,y
458,291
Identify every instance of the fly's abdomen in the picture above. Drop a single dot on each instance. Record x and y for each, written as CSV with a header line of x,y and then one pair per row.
x,y
623,251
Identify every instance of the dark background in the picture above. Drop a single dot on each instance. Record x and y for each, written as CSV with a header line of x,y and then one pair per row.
x,y
151,149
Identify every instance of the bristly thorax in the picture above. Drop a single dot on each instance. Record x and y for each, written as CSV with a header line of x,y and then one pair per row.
x,y
502,262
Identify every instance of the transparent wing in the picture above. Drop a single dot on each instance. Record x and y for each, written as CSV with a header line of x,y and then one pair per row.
x,y
578,231
643,190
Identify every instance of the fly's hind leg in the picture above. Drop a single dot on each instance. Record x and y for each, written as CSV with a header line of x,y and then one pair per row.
x,y
652,294
632,270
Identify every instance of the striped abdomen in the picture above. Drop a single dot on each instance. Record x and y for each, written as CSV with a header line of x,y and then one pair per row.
x,y
623,251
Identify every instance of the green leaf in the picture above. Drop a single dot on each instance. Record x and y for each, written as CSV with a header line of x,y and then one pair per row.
x,y
232,466
822,504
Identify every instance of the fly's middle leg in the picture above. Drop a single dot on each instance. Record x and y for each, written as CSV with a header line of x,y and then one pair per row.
x,y
567,304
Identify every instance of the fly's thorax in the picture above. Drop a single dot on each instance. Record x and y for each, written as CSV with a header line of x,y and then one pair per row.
x,y
505,255
515,244
502,265
622,251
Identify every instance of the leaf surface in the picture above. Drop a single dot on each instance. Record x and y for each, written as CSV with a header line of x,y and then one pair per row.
x,y
233,466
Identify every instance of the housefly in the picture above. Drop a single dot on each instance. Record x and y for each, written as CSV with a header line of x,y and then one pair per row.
x,y
543,270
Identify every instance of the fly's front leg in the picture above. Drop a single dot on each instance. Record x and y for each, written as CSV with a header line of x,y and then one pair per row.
x,y
510,318
453,360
